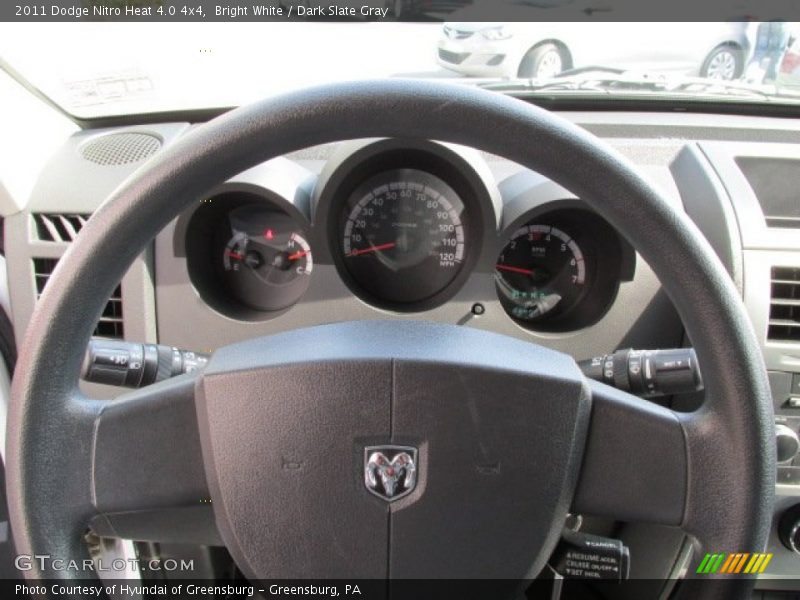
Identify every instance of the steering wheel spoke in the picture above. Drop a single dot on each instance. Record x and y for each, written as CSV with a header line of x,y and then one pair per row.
x,y
148,481
645,463
635,461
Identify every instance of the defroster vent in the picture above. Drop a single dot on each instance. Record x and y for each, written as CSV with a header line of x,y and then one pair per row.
x,y
53,227
110,323
784,307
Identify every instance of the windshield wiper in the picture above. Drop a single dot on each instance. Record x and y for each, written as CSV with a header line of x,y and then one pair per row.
x,y
607,80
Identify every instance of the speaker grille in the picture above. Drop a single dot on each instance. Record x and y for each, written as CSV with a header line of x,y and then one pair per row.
x,y
120,148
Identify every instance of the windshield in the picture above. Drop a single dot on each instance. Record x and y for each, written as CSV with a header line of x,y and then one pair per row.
x,y
106,69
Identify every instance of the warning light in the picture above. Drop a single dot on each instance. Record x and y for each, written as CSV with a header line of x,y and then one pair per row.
x,y
268,234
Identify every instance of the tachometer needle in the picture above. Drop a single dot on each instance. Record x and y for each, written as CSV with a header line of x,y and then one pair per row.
x,y
296,255
514,269
372,249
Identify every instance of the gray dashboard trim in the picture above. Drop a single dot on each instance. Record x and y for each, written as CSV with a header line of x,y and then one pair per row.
x,y
687,126
78,183
754,230
71,184
708,204
761,247
328,299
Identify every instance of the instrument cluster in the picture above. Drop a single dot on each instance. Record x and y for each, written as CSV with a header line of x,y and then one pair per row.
x,y
560,271
405,226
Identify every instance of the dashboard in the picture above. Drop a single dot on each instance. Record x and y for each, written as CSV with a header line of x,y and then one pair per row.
x,y
417,229
404,227
499,248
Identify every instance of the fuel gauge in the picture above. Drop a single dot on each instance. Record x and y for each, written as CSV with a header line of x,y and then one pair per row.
x,y
266,261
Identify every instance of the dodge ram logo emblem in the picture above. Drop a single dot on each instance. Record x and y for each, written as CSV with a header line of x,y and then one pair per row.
x,y
390,472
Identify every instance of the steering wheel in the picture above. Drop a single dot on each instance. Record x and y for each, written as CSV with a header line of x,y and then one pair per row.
x,y
508,436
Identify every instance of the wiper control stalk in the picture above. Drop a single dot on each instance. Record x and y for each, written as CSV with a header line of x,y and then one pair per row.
x,y
647,373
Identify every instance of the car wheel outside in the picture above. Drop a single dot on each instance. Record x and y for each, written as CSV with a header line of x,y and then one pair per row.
x,y
545,60
725,62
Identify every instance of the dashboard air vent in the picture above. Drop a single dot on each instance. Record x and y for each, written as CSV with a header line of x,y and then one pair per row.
x,y
784,308
58,227
120,148
110,323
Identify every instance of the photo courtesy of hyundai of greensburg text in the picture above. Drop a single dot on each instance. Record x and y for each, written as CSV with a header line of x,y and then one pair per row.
x,y
400,299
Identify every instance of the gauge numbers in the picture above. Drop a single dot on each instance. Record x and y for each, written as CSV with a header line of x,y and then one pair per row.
x,y
540,271
402,236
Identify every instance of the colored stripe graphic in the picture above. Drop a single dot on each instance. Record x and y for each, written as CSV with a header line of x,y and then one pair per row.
x,y
759,561
715,564
752,563
710,563
727,565
730,565
704,564
718,562
734,564
740,564
767,558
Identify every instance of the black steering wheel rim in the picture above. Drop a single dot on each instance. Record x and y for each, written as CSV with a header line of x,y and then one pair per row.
x,y
728,491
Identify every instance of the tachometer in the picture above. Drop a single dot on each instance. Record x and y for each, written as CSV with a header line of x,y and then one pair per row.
x,y
541,271
562,270
403,236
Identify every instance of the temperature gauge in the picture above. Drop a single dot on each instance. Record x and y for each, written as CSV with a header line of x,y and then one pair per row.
x,y
266,261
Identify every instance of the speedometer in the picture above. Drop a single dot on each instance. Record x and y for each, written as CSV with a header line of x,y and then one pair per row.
x,y
403,236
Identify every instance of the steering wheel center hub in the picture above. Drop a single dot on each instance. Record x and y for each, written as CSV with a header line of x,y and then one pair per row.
x,y
388,449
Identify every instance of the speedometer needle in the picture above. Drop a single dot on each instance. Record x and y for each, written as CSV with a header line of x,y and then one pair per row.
x,y
514,269
372,249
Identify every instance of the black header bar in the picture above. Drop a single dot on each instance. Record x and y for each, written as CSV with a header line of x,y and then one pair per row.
x,y
150,11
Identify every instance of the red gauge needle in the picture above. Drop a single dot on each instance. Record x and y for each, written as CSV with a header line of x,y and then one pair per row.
x,y
514,269
372,249
296,255
234,255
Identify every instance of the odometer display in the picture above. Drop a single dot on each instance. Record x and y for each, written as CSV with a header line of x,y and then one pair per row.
x,y
403,236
